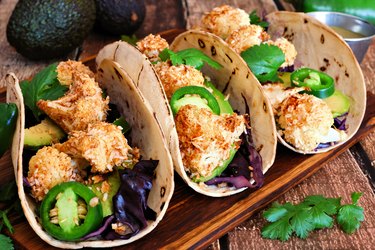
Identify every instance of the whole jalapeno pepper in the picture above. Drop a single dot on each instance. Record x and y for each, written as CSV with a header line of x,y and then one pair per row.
x,y
319,84
8,121
70,210
177,98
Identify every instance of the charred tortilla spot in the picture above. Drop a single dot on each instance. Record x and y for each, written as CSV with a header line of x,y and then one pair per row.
x,y
337,78
265,107
127,104
119,76
201,43
247,75
259,148
322,39
323,68
227,85
162,192
346,73
213,51
233,71
305,21
162,206
100,70
230,59
285,30
185,39
113,78
247,108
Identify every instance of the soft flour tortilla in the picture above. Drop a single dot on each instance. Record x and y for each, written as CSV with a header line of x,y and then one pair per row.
x,y
145,133
319,47
235,78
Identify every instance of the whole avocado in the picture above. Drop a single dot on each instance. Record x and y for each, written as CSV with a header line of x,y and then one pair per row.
x,y
46,29
120,17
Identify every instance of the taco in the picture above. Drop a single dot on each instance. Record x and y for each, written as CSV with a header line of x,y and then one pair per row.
x,y
251,126
113,178
308,72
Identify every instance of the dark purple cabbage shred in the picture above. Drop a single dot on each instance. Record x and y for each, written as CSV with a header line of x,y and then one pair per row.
x,y
104,227
237,173
289,68
130,202
340,122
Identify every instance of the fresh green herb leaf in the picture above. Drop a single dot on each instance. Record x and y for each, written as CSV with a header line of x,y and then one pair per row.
x,y
321,209
255,19
350,216
44,86
8,191
130,39
6,222
6,242
192,57
264,60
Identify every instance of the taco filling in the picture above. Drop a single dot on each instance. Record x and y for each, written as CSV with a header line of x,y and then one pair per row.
x,y
305,101
209,132
91,184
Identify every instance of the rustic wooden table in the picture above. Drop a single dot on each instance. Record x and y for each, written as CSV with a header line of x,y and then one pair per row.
x,y
353,170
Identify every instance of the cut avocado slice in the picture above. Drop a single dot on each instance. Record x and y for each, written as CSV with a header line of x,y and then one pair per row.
x,y
225,107
43,134
339,103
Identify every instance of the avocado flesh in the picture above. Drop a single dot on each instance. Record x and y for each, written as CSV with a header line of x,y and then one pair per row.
x,y
339,103
43,134
225,107
106,200
49,29
191,100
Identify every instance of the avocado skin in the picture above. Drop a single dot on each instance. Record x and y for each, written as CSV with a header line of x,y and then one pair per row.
x,y
46,29
120,17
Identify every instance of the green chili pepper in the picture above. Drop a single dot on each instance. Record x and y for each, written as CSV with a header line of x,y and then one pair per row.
x,y
8,121
61,210
225,107
320,84
180,99
361,8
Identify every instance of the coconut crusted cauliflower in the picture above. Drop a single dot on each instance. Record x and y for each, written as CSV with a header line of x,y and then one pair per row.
x,y
82,104
206,139
103,145
151,46
304,119
49,167
223,20
277,93
174,77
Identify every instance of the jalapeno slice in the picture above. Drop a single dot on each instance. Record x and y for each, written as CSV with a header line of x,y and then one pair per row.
x,y
320,84
75,199
178,96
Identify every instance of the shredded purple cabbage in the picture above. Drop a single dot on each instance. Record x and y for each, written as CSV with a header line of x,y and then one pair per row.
x,y
106,225
238,173
130,202
340,122
289,68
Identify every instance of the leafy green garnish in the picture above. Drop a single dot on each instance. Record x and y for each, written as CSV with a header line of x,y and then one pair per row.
x,y
264,60
350,216
44,86
315,212
191,56
5,242
255,19
130,39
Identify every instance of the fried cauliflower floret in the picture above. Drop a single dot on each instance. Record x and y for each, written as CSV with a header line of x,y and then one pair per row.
x,y
50,167
277,93
304,119
223,20
246,37
81,105
288,49
66,70
103,145
206,139
152,45
174,77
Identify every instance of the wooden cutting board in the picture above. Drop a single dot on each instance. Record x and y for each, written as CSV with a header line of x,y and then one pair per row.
x,y
193,220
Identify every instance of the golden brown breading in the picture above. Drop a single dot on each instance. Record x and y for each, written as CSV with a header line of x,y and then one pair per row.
x,y
103,145
152,45
304,119
223,20
288,49
174,77
277,93
66,70
81,105
50,167
206,139
246,37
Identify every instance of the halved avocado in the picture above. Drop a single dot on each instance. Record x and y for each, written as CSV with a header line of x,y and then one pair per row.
x,y
43,134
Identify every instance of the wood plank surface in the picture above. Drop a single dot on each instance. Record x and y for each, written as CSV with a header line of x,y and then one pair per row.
x,y
186,226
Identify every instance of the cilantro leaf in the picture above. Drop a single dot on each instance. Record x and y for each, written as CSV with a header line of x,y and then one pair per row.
x,y
264,60
8,191
44,86
321,208
4,218
255,19
191,56
280,227
350,216
130,39
6,242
